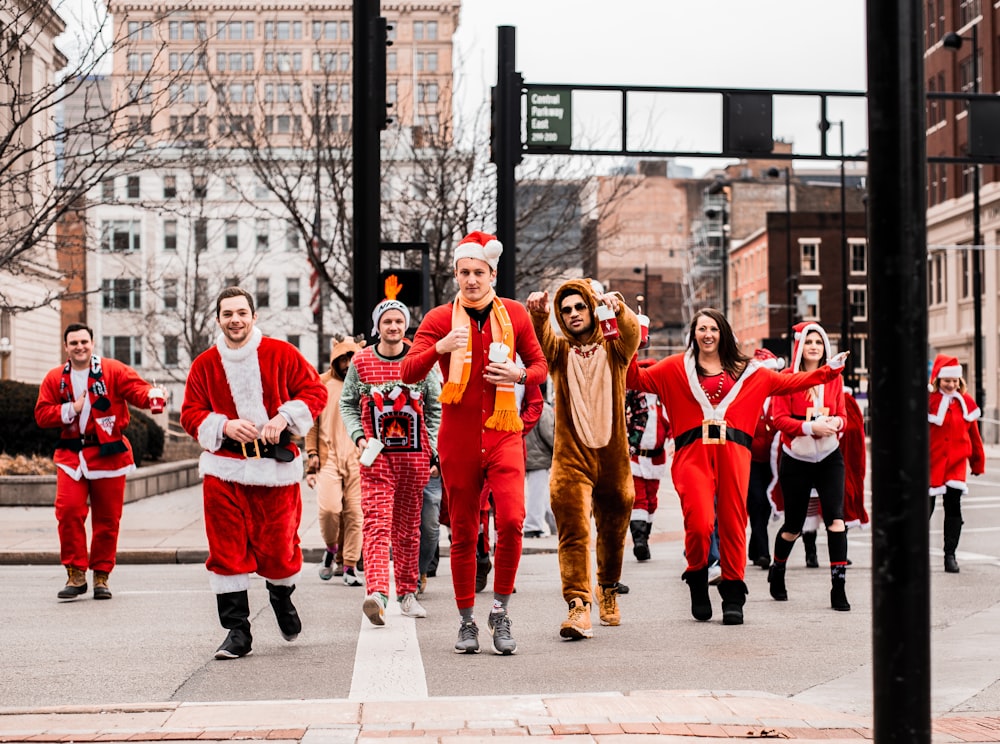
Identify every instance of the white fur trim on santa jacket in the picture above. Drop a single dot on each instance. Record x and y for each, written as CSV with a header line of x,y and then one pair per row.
x,y
257,381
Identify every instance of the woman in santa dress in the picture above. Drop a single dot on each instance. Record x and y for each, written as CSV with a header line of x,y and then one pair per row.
x,y
955,445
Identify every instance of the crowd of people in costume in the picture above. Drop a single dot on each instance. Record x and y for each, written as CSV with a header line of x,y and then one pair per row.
x,y
452,427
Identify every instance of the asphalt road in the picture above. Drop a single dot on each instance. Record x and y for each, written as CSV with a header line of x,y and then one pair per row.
x,y
154,641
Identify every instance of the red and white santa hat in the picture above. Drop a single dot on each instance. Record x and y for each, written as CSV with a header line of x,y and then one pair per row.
x,y
766,358
480,245
802,330
944,366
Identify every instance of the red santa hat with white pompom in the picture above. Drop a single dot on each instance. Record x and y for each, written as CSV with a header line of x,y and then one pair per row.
x,y
944,366
481,246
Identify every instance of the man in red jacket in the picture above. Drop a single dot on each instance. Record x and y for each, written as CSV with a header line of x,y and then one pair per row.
x,y
244,397
88,398
480,435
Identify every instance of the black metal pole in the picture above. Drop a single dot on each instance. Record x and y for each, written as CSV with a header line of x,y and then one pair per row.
x,y
845,310
900,571
507,159
725,261
977,253
790,299
367,170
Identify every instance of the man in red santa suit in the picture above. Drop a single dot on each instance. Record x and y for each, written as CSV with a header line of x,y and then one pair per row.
x,y
244,397
88,398
480,435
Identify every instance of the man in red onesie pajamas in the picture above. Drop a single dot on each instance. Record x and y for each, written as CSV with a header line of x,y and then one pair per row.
x,y
244,397
480,434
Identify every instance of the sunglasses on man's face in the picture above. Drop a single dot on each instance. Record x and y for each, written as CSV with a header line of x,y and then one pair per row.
x,y
579,307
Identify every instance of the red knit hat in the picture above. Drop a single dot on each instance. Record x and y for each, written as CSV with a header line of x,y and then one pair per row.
x,y
767,359
944,366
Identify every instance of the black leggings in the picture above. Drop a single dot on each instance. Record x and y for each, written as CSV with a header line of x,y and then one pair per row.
x,y
952,499
798,478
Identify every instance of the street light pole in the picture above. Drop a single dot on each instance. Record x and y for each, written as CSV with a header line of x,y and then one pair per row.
x,y
954,41
789,304
845,301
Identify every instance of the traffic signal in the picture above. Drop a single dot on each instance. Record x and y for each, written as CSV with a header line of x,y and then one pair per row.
x,y
409,283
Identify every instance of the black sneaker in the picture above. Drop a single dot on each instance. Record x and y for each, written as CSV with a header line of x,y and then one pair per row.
x,y
503,641
468,638
483,568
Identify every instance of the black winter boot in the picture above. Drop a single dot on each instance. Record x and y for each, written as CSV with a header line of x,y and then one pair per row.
x,y
234,614
288,617
697,581
952,532
734,596
809,543
776,581
483,564
640,539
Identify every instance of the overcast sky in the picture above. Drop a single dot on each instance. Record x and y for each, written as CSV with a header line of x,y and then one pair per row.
x,y
800,44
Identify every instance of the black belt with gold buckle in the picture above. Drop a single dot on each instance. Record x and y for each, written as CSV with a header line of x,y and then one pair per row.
x,y
713,431
258,448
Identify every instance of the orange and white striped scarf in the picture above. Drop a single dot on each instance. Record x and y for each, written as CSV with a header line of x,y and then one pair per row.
x,y
505,415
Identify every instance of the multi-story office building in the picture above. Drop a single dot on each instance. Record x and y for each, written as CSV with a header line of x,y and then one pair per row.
x,y
243,111
950,187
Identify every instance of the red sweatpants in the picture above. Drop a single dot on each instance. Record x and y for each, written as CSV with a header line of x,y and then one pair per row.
x,y
107,495
646,490
500,458
252,528
709,477
392,496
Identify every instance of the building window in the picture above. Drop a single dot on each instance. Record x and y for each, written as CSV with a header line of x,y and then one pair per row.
x,y
859,302
425,30
263,296
169,187
968,11
170,235
292,242
121,294
132,187
292,295
427,92
809,257
809,303
120,236
126,349
427,61
232,235
859,256
199,185
171,351
936,280
201,234
295,339
263,238
170,294
108,188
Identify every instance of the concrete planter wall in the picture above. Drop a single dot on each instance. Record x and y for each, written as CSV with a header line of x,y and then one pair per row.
x,y
40,490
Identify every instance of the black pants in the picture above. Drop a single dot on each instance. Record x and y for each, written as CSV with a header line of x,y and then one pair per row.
x,y
758,510
798,478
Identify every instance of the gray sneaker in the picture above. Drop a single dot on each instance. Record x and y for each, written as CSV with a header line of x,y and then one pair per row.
x,y
468,638
410,607
503,642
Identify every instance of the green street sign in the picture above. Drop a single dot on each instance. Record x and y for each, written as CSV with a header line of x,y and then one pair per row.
x,y
550,118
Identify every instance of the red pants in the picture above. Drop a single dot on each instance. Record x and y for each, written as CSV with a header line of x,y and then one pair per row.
x,y
392,496
107,495
252,528
646,490
500,459
710,477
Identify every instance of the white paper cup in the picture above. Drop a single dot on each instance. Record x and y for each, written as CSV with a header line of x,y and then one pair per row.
x,y
499,352
372,448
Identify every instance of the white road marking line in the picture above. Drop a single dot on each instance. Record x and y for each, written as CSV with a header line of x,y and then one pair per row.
x,y
387,662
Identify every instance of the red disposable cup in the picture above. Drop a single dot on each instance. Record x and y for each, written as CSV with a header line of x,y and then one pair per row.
x,y
609,323
643,331
157,401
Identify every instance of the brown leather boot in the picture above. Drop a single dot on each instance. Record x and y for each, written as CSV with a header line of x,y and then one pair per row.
x,y
76,583
101,590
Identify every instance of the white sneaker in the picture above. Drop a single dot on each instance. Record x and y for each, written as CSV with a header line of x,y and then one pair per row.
x,y
410,607
374,608
714,574
351,578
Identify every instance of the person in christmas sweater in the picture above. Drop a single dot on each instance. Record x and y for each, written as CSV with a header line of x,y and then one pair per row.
x,y
955,447
648,435
244,399
376,404
811,422
713,396
480,434
333,469
591,472
88,399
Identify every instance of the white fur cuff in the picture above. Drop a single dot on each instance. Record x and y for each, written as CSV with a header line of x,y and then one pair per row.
x,y
227,584
300,420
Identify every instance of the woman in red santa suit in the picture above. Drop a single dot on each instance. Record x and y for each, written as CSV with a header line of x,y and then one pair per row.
x,y
955,445
811,422
244,398
713,395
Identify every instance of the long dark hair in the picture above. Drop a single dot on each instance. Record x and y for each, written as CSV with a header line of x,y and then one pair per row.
x,y
733,360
